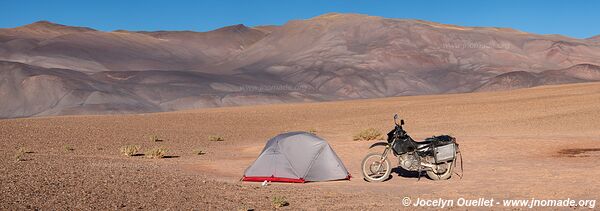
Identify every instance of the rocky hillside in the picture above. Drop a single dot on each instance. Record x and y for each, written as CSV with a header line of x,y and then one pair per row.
x,y
53,69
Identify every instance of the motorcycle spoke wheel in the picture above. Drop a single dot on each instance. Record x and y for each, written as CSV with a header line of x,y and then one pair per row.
x,y
444,175
374,168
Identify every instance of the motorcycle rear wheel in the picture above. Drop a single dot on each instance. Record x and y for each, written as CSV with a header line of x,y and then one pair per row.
x,y
373,169
442,175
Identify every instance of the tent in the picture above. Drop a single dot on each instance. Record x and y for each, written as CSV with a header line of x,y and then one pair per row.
x,y
296,157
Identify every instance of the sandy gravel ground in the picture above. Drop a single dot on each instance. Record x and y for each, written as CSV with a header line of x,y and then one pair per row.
x,y
541,142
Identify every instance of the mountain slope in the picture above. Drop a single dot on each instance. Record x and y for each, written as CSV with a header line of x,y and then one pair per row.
x,y
522,79
328,57
36,91
363,56
57,46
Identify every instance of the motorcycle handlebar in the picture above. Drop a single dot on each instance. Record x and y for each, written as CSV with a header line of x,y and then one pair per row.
x,y
396,120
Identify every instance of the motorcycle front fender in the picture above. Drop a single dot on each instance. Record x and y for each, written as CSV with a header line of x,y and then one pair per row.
x,y
385,144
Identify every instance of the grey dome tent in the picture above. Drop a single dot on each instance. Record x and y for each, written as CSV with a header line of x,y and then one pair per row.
x,y
296,157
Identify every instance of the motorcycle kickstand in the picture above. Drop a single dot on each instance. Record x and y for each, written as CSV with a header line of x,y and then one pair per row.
x,y
419,171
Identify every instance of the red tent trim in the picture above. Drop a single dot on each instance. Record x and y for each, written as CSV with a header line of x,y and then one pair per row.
x,y
273,179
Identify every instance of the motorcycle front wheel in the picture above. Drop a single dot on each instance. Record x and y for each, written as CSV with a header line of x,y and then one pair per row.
x,y
375,168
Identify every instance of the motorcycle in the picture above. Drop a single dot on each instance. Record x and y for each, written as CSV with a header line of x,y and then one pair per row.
x,y
436,155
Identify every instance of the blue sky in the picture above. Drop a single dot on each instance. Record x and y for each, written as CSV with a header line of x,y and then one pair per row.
x,y
576,18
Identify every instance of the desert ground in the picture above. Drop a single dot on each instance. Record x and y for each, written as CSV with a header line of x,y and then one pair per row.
x,y
538,142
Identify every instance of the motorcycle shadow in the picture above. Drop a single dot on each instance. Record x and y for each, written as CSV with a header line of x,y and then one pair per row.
x,y
400,172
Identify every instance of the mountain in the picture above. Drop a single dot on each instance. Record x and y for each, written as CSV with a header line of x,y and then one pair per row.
x,y
36,91
523,79
597,37
51,45
42,30
53,69
364,56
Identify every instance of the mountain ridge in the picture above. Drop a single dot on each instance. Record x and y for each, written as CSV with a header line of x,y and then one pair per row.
x,y
333,56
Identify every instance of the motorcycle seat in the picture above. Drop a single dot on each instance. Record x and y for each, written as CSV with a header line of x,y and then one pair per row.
x,y
424,143
436,141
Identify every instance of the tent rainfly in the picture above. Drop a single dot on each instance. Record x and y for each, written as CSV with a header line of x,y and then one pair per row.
x,y
296,157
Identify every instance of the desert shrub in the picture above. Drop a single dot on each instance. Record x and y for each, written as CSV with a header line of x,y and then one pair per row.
x,y
279,201
157,153
24,150
245,208
69,148
130,150
313,131
154,138
20,155
216,138
199,152
368,134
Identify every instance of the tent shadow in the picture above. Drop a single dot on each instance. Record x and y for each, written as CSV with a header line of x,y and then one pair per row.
x,y
166,156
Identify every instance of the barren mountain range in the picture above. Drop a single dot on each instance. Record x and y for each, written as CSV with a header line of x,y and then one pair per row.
x,y
52,69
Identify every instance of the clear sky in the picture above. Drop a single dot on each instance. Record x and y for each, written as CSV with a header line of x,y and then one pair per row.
x,y
575,18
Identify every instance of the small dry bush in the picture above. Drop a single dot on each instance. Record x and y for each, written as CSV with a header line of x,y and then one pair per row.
x,y
199,152
154,138
245,208
216,138
130,150
69,148
313,131
25,150
20,155
279,201
368,135
156,153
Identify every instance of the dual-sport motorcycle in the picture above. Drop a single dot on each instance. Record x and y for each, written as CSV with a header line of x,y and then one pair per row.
x,y
436,155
